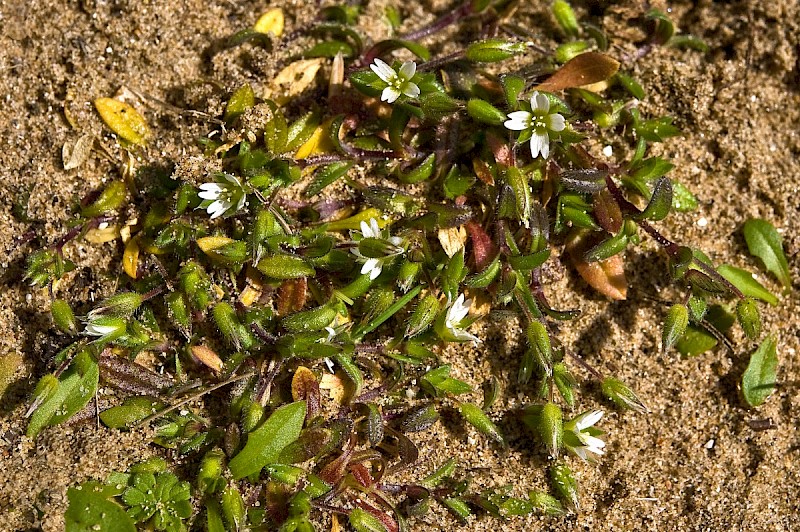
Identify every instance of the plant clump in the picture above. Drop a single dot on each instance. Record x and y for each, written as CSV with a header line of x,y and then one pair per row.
x,y
312,302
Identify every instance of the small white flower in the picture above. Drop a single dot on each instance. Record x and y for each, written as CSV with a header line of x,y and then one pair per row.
x,y
374,265
455,315
99,330
398,82
223,197
538,122
580,435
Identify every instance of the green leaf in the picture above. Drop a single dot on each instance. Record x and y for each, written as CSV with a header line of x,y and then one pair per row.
x,y
265,444
660,202
326,176
76,386
758,380
89,511
764,242
746,283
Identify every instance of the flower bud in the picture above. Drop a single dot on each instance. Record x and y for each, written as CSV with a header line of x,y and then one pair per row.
x,y
110,199
483,111
233,507
63,316
493,50
569,50
541,352
179,312
121,305
674,325
231,328
209,477
566,18
550,428
622,396
423,316
284,267
106,328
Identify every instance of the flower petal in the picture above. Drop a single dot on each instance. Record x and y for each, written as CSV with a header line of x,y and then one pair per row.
x,y
540,143
376,229
588,419
384,71
411,89
540,102
463,336
208,194
390,95
556,122
518,121
408,70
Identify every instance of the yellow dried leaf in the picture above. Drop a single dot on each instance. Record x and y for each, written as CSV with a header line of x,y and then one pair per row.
x,y
293,80
130,258
210,243
123,120
207,357
249,296
101,235
270,22
318,142
354,222
335,526
452,239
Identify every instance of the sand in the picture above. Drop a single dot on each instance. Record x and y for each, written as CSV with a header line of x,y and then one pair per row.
x,y
694,463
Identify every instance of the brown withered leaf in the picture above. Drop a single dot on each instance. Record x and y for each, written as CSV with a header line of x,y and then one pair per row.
x,y
206,356
335,385
452,239
607,212
606,276
305,387
292,296
585,69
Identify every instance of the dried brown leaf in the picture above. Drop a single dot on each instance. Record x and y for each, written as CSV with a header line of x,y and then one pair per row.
x,y
74,157
452,239
585,69
206,356
305,387
606,276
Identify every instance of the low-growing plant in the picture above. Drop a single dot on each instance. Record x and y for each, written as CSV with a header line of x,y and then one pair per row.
x,y
310,284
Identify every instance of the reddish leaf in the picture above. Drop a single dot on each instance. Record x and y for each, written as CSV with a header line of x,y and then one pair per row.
x,y
607,212
483,249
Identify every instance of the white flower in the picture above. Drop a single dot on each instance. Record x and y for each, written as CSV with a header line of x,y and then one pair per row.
x,y
223,197
374,265
580,435
399,82
455,315
538,122
99,330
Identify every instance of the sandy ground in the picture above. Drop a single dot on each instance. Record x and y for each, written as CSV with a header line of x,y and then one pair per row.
x,y
695,463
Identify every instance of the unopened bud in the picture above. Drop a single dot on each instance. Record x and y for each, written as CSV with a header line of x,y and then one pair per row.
x,y
622,396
